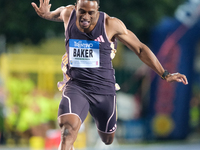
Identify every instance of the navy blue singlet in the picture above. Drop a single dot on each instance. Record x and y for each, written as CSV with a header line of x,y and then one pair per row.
x,y
98,77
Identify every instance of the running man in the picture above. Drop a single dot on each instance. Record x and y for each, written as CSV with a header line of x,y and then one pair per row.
x,y
89,81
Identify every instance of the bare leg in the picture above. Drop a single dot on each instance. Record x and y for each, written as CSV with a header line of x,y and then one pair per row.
x,y
70,125
107,138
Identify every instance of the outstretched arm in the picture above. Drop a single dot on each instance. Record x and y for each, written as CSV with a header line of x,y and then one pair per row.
x,y
44,11
143,52
147,56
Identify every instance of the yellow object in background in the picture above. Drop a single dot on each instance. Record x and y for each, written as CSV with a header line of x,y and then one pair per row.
x,y
163,125
80,141
81,138
36,143
46,67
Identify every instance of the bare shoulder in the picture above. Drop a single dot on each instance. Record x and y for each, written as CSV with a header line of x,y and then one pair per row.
x,y
66,12
115,26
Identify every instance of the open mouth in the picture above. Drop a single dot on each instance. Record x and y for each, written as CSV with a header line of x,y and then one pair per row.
x,y
84,23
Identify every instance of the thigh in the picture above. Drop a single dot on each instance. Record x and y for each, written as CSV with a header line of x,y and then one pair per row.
x,y
74,102
103,110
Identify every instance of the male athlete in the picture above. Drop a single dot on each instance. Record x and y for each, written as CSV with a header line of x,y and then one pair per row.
x,y
89,82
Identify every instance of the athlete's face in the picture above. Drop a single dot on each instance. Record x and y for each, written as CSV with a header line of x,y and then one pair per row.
x,y
87,14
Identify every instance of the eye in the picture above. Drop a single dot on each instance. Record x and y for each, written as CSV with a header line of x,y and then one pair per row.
x,y
91,12
81,11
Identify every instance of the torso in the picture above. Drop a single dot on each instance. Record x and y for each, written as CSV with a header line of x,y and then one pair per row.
x,y
93,79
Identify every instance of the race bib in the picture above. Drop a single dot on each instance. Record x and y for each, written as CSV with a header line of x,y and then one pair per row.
x,y
83,53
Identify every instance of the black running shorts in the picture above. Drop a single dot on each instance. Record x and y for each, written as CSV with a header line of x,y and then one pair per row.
x,y
101,107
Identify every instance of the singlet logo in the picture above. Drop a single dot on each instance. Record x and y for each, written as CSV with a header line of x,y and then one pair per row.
x,y
83,53
100,39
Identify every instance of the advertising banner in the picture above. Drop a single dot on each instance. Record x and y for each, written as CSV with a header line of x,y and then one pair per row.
x,y
174,42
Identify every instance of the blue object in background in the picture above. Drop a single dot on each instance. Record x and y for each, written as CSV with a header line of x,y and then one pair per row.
x,y
173,41
134,129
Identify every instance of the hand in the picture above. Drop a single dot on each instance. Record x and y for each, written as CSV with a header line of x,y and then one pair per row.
x,y
43,9
177,77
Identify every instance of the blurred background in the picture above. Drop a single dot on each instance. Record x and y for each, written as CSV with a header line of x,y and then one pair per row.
x,y
150,110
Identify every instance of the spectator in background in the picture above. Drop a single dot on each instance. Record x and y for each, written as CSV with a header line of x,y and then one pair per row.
x,y
29,111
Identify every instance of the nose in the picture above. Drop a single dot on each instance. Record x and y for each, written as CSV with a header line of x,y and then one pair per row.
x,y
86,16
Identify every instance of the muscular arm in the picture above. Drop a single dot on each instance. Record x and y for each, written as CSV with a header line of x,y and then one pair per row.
x,y
142,51
116,28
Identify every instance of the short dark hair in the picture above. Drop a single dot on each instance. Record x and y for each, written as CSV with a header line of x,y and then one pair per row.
x,y
91,0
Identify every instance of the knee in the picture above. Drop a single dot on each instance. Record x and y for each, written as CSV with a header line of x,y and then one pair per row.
x,y
107,140
66,131
69,126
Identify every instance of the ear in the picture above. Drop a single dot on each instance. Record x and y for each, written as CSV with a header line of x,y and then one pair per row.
x,y
75,6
